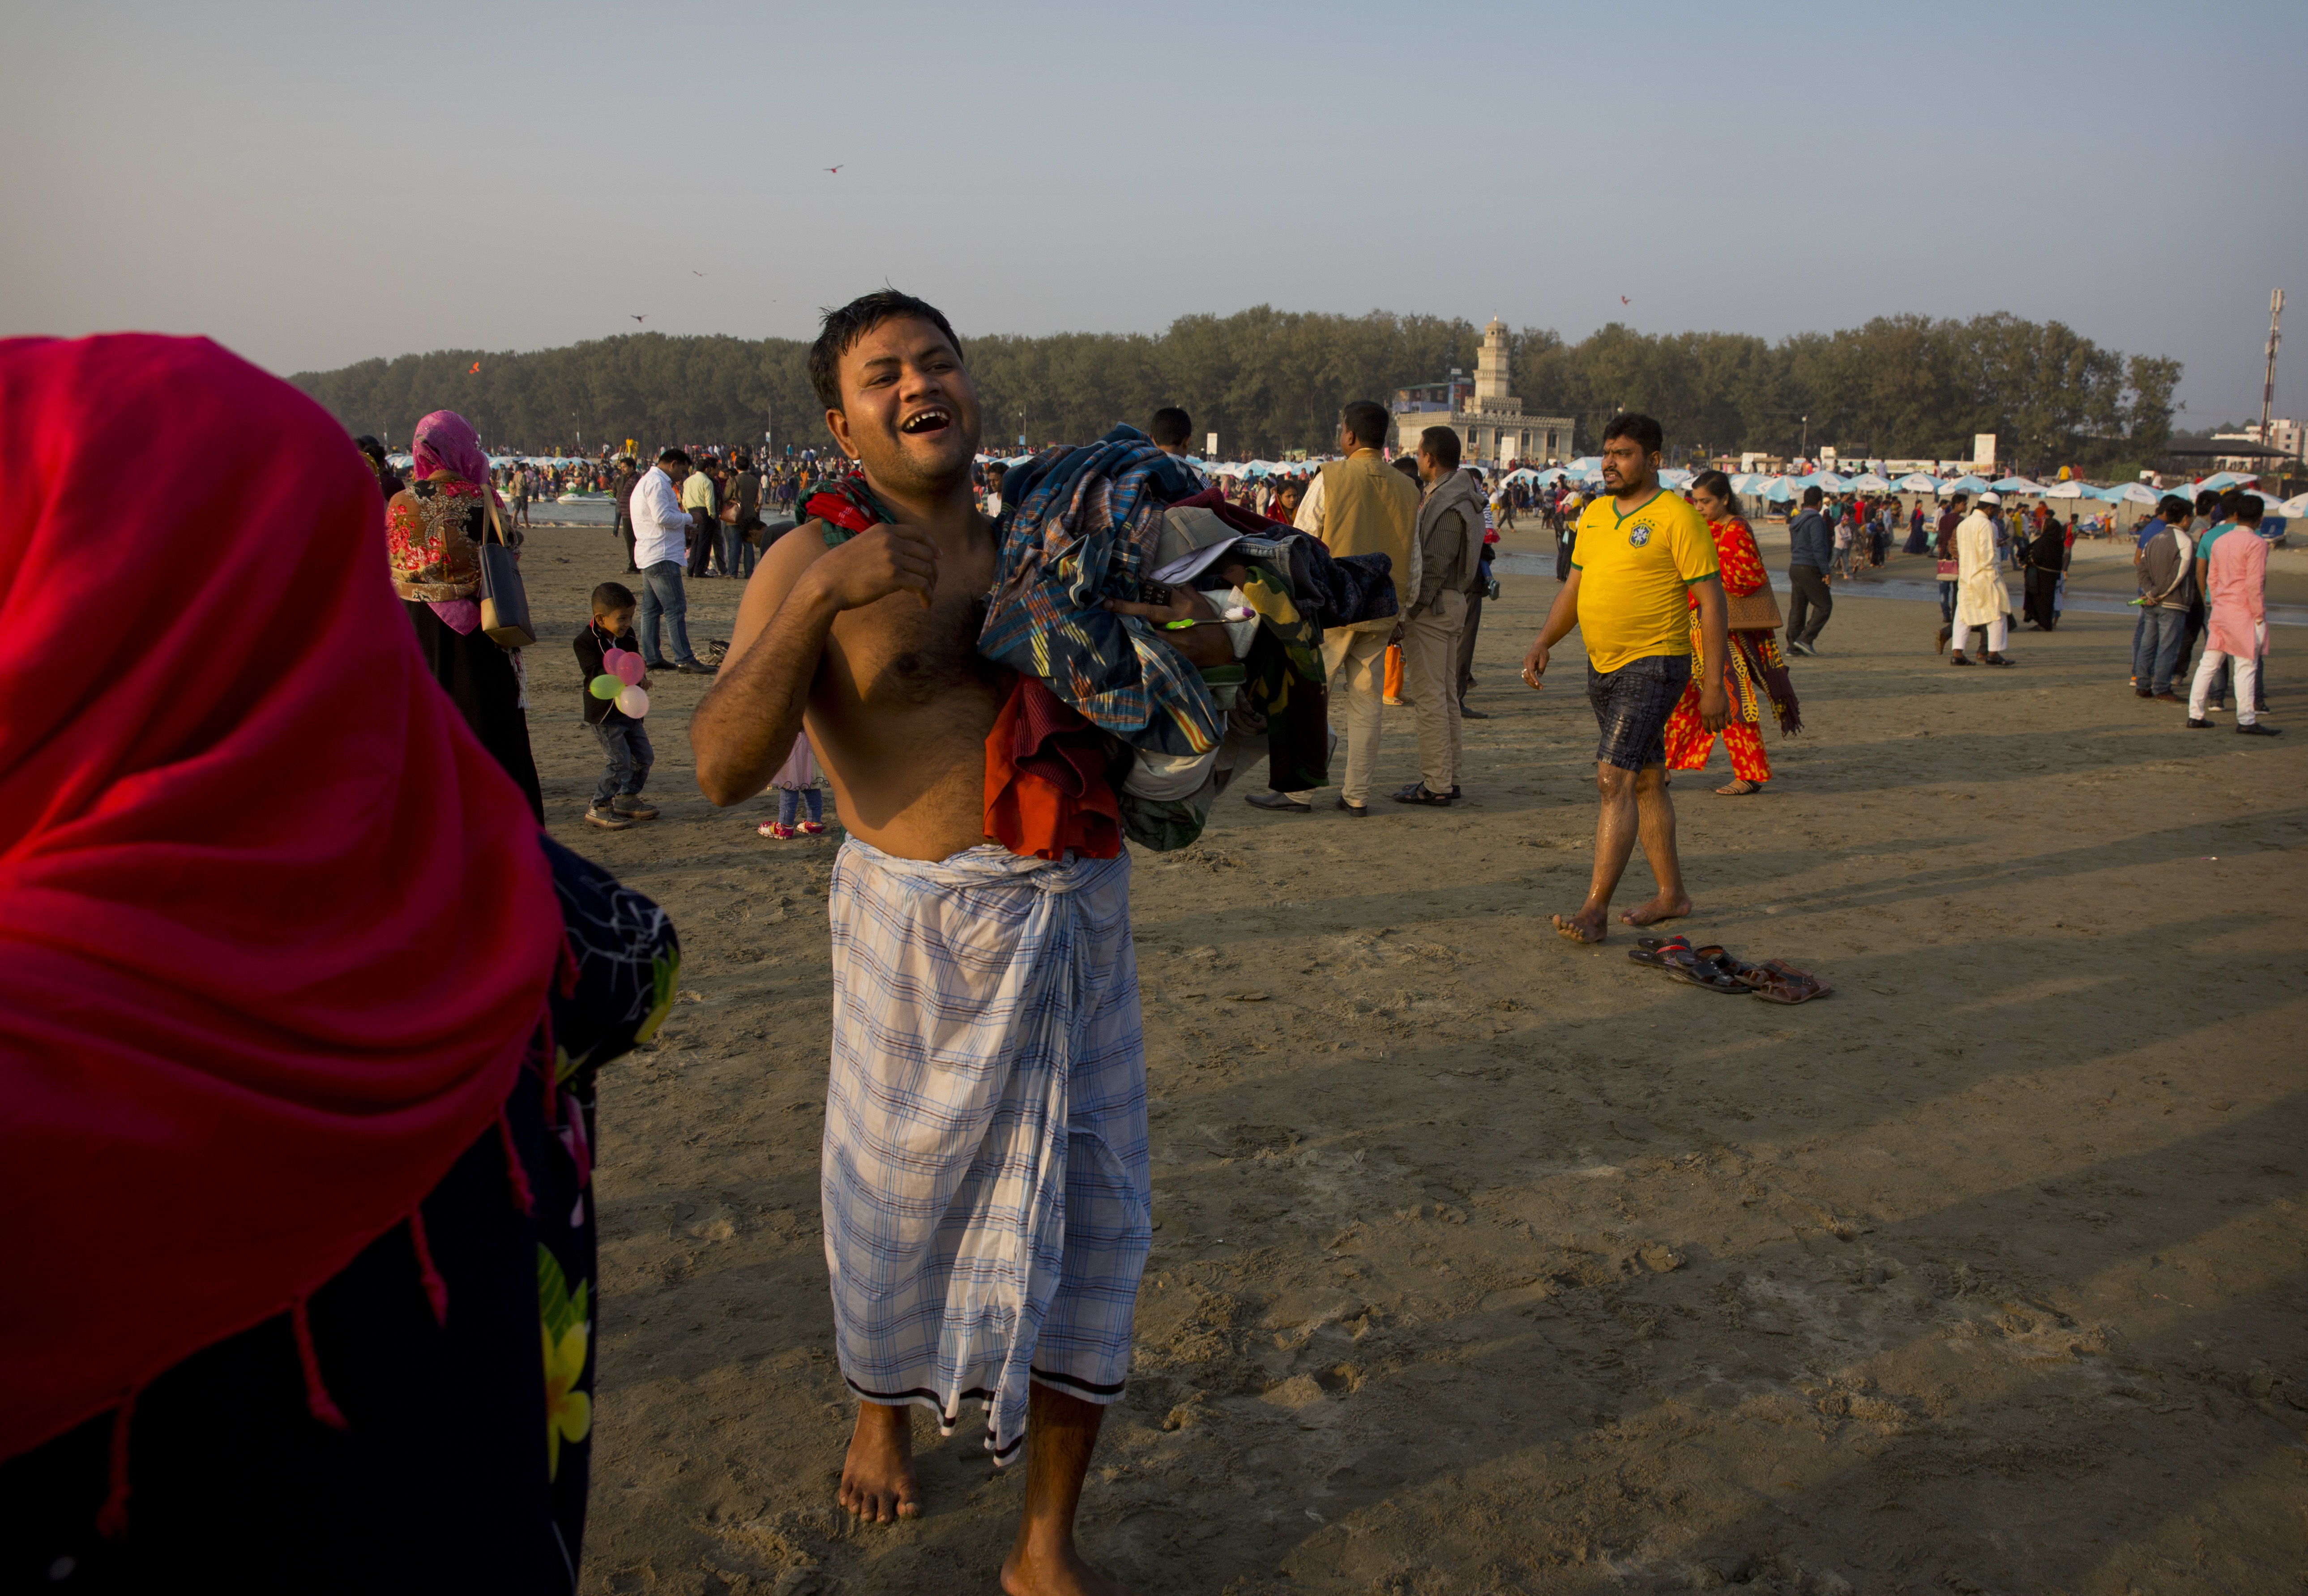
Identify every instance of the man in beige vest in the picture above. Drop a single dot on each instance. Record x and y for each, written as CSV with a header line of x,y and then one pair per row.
x,y
1358,506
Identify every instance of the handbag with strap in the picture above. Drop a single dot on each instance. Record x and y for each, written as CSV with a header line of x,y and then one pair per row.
x,y
504,601
1758,611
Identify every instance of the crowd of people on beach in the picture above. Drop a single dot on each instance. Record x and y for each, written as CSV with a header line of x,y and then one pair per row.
x,y
329,1087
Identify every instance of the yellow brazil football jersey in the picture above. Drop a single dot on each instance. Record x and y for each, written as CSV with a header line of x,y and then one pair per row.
x,y
1633,573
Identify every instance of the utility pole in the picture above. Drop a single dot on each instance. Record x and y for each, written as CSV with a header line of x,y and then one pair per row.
x,y
2268,392
1806,443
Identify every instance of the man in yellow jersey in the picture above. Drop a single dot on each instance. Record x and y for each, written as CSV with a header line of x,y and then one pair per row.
x,y
1639,549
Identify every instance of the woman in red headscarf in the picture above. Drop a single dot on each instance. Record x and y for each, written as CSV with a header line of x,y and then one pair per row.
x,y
298,1013
434,529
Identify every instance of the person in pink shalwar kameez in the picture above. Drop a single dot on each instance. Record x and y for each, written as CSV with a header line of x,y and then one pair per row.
x,y
2237,578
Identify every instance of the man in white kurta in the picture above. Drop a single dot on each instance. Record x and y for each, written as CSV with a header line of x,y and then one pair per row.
x,y
1981,598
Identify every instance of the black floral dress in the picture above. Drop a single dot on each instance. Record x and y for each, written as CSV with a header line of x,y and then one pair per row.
x,y
449,1351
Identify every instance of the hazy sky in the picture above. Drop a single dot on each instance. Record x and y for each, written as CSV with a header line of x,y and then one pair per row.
x,y
315,183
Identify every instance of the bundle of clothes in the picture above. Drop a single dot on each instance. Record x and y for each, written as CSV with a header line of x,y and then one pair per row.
x,y
1109,731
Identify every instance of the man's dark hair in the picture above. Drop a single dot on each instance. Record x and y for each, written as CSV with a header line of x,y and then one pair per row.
x,y
1813,498
2248,510
1955,499
995,472
1442,443
370,447
1366,423
2206,501
611,597
2228,503
1716,483
842,328
1408,464
1633,424
673,457
2172,508
1171,426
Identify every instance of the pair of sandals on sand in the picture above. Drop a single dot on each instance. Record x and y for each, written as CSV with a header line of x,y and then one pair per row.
x,y
1716,968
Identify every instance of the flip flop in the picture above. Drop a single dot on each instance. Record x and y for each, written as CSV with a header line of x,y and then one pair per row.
x,y
1652,951
1700,968
1778,981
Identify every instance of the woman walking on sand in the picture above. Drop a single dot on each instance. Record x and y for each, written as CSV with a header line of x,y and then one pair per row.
x,y
1755,668
434,529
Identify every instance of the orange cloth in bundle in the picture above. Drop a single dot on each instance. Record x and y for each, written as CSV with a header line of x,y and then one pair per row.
x,y
1393,670
1046,794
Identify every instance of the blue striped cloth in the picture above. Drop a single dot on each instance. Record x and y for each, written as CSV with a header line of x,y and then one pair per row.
x,y
1080,527
986,1185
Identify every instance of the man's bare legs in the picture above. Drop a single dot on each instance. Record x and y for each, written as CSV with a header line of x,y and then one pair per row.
x,y
1061,1431
1655,806
1633,803
877,1476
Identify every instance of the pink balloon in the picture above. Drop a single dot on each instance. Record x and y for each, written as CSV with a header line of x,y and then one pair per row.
x,y
626,668
609,658
634,702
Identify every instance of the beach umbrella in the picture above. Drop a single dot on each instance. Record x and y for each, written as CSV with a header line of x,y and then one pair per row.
x,y
1829,482
2294,509
2221,481
2132,493
1917,482
1585,463
1675,479
1965,483
2070,489
2015,485
1869,482
1775,489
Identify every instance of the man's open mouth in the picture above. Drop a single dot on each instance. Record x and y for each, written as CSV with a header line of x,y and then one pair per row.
x,y
932,419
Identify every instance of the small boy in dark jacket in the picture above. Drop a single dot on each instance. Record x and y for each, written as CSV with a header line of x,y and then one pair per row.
x,y
617,797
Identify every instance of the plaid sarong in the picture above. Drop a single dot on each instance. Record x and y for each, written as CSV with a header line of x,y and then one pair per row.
x,y
985,1182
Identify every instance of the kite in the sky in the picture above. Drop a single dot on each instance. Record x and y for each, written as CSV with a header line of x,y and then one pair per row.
x,y
1624,300
640,318
696,273
477,366
835,171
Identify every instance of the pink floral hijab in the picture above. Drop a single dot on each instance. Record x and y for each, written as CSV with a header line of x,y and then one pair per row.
x,y
444,441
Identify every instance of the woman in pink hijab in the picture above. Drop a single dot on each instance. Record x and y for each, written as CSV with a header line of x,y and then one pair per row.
x,y
433,532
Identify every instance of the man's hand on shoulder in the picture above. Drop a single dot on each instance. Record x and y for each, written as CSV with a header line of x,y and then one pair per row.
x,y
875,564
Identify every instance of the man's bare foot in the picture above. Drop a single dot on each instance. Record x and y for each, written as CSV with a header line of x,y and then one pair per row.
x,y
1060,1573
1586,925
1656,911
877,1478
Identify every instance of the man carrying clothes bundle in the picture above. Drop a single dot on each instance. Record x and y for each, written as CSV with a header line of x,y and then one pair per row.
x,y
986,1179
1643,554
1449,541
1358,506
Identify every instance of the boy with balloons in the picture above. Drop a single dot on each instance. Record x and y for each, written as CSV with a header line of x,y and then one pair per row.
x,y
617,697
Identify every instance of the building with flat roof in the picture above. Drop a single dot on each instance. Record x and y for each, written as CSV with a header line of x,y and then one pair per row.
x,y
1489,419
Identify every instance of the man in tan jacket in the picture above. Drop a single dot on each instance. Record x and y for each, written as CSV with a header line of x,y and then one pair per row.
x,y
1358,506
1448,542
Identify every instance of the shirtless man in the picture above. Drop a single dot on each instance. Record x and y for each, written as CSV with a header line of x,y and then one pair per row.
x,y
1642,554
872,642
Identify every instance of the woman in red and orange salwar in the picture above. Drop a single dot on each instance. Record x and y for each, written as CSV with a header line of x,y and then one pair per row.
x,y
1756,671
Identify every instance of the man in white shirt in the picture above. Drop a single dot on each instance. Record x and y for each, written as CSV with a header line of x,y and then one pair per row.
x,y
661,532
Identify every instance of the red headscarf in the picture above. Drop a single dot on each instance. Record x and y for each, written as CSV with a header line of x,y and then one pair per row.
x,y
275,930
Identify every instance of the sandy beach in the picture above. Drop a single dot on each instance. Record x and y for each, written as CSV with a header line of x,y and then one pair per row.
x,y
1485,1263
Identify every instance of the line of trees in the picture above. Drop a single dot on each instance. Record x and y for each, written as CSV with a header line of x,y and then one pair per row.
x,y
1267,381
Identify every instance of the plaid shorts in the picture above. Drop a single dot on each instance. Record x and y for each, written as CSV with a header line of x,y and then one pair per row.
x,y
1631,704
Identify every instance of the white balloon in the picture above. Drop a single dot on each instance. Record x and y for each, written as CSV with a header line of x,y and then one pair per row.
x,y
634,702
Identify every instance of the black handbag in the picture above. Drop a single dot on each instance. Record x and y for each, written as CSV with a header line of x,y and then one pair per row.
x,y
504,601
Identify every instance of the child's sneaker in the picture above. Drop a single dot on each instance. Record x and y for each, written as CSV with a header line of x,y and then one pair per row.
x,y
771,828
608,819
633,807
813,828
